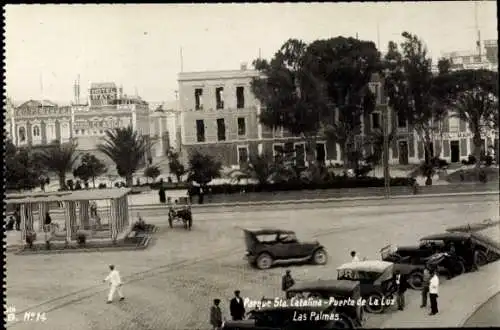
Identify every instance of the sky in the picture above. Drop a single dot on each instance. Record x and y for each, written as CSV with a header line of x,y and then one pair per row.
x,y
139,46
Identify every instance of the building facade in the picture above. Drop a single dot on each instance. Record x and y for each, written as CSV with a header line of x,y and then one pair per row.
x,y
484,58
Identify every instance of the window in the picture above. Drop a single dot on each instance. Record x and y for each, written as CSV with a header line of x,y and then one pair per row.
x,y
278,150
242,129
219,97
321,152
454,123
401,120
240,97
200,130
221,130
376,120
242,154
300,154
36,131
198,95
22,134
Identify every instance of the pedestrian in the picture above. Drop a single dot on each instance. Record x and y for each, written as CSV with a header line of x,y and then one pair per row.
x,y
17,216
354,256
400,282
433,292
237,307
216,315
201,194
115,284
426,277
10,224
287,281
47,222
161,194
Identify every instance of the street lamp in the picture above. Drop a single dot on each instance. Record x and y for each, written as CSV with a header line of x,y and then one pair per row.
x,y
385,130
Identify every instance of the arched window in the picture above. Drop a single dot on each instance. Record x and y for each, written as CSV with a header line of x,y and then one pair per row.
x,y
36,130
22,134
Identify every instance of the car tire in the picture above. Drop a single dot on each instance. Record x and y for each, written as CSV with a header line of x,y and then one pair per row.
x,y
458,268
416,280
319,257
264,261
371,307
482,258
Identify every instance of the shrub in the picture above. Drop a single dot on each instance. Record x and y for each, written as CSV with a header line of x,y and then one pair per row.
x,y
102,186
81,238
471,160
30,238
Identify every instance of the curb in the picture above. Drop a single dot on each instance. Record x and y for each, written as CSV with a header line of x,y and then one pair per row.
x,y
471,314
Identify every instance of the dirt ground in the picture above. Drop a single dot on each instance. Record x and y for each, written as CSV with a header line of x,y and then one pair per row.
x,y
171,284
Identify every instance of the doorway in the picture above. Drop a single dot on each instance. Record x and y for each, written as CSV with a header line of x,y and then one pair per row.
x,y
320,153
403,152
455,151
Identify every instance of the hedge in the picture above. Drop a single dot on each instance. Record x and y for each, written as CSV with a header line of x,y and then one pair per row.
x,y
336,183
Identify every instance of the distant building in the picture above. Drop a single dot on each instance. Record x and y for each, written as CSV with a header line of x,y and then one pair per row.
x,y
487,58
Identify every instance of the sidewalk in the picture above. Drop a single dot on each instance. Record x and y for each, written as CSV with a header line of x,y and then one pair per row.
x,y
458,299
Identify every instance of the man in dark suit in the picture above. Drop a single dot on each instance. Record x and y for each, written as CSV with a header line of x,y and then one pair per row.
x,y
401,284
216,315
237,307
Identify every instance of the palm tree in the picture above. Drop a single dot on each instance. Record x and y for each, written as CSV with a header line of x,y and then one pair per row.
x,y
127,149
376,140
59,158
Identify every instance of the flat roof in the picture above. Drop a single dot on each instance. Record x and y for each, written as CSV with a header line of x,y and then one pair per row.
x,y
76,195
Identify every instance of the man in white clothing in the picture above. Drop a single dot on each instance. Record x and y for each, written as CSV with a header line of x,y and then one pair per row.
x,y
115,284
433,291
354,256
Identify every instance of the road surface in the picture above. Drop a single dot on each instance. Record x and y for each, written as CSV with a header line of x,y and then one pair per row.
x,y
486,315
171,284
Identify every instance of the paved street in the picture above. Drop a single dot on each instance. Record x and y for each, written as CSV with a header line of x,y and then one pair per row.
x,y
171,284
487,315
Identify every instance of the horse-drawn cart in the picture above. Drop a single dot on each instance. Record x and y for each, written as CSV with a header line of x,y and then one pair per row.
x,y
179,208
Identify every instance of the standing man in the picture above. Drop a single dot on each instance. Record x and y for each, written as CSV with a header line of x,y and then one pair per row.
x,y
426,277
115,284
237,307
354,256
433,291
161,193
401,286
216,315
287,281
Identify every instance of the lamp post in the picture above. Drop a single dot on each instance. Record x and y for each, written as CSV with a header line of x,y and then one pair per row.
x,y
385,130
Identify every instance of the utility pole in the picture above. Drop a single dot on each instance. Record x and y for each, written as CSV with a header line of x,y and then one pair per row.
x,y
385,129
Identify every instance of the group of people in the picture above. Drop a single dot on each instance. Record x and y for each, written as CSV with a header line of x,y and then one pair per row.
x,y
236,309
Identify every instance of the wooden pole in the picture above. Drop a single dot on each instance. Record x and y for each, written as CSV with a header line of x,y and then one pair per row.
x,y
22,211
67,220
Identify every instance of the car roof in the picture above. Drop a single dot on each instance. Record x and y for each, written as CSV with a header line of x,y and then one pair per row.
x,y
338,286
269,231
367,265
446,236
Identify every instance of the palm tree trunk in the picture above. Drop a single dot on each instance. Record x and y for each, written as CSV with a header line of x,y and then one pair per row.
x,y
477,148
343,151
129,180
62,181
93,182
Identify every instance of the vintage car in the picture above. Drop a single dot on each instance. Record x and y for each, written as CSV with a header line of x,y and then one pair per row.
x,y
179,208
266,247
376,281
291,318
345,294
486,250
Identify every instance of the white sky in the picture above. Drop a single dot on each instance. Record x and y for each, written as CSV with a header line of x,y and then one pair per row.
x,y
138,46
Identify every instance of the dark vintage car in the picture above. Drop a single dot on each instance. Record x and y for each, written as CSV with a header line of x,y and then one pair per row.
x,y
344,295
266,247
290,318
486,250
375,278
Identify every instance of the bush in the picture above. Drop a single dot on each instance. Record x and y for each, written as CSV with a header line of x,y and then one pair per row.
x,y
471,160
101,186
30,238
81,238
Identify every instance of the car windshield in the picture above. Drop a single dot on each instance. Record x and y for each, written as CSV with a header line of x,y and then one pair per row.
x,y
267,238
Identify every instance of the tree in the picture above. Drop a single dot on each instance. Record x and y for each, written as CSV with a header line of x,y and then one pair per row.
x,y
59,158
152,172
175,165
376,141
21,170
471,96
444,65
345,67
289,93
127,149
90,167
203,168
409,84
260,167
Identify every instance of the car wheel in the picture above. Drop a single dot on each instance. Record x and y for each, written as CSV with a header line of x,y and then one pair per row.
x,y
481,258
264,261
320,257
374,304
458,268
416,280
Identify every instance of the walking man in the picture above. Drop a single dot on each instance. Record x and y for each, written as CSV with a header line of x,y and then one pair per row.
x,y
237,307
115,284
216,315
425,289
433,292
354,256
287,281
401,286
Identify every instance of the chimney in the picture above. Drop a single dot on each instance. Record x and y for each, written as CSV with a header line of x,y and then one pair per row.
x,y
243,66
